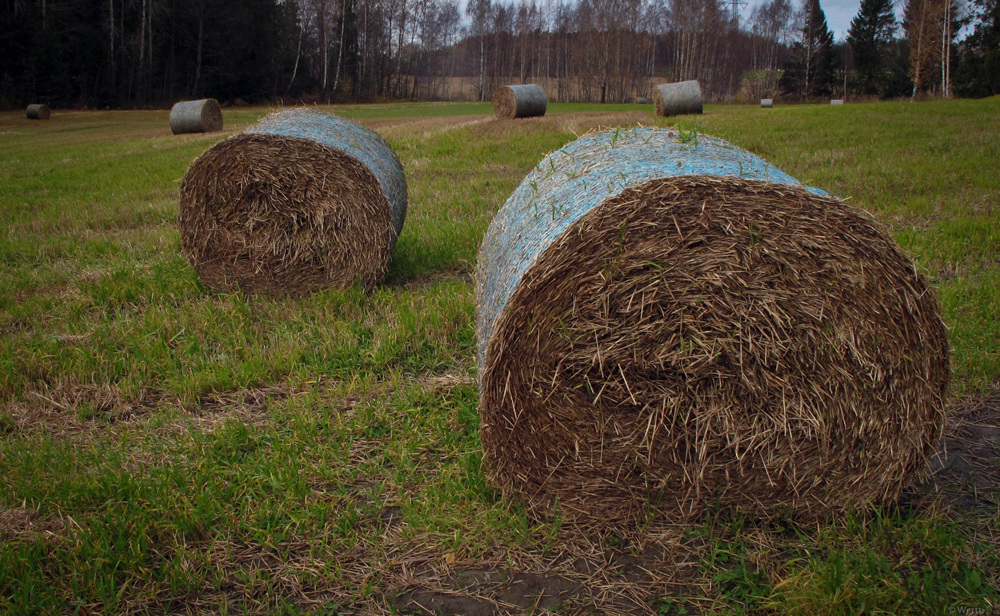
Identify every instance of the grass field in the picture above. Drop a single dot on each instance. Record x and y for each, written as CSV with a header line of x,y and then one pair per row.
x,y
167,449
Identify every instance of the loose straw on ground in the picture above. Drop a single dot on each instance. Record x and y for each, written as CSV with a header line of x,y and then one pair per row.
x,y
510,102
201,116
667,324
300,201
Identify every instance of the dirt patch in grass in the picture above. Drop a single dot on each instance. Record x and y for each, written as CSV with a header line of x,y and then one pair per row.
x,y
27,525
964,474
463,273
250,406
577,575
74,408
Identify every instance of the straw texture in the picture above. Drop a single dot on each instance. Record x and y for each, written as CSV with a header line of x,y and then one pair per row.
x,y
677,98
201,116
300,201
38,112
666,326
525,101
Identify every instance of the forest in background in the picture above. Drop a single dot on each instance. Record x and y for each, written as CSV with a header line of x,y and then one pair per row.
x,y
136,53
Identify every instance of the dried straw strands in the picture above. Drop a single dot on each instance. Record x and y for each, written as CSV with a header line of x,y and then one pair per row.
x,y
201,116
38,112
668,326
525,101
300,201
677,98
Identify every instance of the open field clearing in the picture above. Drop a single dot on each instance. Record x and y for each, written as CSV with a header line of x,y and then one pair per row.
x,y
168,449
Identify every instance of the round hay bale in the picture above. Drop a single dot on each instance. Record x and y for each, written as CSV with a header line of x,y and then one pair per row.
x,y
677,98
39,112
667,325
766,103
301,200
525,101
201,116
836,101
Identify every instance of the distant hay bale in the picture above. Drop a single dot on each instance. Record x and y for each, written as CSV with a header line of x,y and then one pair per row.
x,y
300,201
677,98
201,116
836,101
666,324
642,100
766,103
525,101
39,112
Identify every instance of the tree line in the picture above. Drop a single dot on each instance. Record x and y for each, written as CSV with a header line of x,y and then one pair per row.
x,y
127,53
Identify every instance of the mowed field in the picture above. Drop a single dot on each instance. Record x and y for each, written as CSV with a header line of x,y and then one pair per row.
x,y
168,449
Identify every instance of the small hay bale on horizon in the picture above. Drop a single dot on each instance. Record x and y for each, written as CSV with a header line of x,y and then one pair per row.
x,y
300,201
683,97
524,101
666,326
200,116
767,103
38,112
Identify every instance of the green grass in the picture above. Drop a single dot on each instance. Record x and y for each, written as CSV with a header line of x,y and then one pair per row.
x,y
165,448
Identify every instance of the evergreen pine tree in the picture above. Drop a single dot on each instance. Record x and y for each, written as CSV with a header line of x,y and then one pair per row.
x,y
978,71
871,32
811,67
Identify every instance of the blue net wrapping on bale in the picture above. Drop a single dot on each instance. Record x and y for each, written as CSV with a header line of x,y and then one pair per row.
x,y
300,201
667,322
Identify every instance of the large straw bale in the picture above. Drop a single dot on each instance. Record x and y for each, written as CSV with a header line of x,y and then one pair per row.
x,y
38,112
525,101
677,98
667,324
200,116
299,201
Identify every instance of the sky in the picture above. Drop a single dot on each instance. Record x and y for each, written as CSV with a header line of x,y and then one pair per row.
x,y
839,14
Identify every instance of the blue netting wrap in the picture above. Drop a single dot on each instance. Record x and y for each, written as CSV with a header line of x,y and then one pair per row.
x,y
575,179
350,138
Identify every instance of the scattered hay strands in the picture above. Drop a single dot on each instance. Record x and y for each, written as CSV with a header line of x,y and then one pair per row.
x,y
510,102
201,116
38,112
677,98
674,324
300,201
